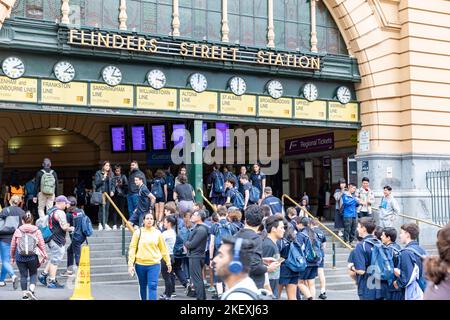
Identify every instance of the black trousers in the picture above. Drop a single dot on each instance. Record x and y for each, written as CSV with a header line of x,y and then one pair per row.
x,y
121,203
349,229
169,278
26,268
195,270
179,272
33,207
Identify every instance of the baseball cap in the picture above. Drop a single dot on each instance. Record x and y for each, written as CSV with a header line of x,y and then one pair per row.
x,y
62,199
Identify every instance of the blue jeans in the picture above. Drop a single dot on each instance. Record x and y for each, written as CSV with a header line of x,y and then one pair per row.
x,y
148,280
133,199
6,260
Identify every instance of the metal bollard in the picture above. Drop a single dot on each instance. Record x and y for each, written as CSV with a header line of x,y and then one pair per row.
x,y
123,241
334,254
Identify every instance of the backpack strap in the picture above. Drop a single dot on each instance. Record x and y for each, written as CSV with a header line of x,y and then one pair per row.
x,y
417,253
248,292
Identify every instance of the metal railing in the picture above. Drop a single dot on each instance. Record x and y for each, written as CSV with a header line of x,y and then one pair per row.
x,y
438,183
206,199
418,220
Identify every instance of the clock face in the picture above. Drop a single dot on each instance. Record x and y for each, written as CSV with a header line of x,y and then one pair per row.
x,y
343,95
275,89
64,71
198,82
13,67
310,92
238,86
112,75
156,78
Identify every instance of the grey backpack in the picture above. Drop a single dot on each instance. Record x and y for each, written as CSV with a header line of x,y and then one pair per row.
x,y
27,244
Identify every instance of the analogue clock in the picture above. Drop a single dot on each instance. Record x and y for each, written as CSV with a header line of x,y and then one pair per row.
x,y
13,67
238,86
275,89
64,71
156,78
343,94
198,82
310,92
112,75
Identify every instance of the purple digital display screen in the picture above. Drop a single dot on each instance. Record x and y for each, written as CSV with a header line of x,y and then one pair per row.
x,y
159,137
118,139
222,134
179,135
205,134
138,138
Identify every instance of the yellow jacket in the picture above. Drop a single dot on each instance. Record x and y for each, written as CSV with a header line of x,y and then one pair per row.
x,y
152,248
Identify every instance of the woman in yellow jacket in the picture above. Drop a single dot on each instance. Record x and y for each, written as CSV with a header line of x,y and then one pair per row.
x,y
147,248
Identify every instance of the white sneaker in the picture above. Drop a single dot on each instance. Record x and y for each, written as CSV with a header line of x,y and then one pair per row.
x,y
100,227
107,228
114,227
121,227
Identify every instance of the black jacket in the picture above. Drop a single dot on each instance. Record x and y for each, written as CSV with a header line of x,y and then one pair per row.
x,y
132,187
196,243
257,267
37,185
120,184
11,211
103,185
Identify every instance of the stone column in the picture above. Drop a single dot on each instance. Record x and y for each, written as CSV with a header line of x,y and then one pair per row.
x,y
313,26
123,15
270,28
195,169
176,19
65,10
225,28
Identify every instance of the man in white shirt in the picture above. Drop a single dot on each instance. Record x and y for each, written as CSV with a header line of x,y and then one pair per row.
x,y
232,264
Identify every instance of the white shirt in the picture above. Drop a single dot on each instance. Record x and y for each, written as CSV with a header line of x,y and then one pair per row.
x,y
246,283
170,237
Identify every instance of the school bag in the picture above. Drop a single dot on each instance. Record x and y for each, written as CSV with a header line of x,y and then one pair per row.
x,y
27,244
48,182
218,183
295,261
313,254
254,194
420,280
223,230
381,262
157,189
86,225
170,180
238,200
45,225
182,236
261,295
9,224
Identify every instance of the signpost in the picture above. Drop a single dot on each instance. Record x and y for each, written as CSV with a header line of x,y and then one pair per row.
x,y
112,97
244,105
316,110
198,102
163,99
275,108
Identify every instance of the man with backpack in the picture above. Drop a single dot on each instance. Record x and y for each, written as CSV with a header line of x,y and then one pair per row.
x,y
369,287
271,253
46,187
258,179
410,274
338,214
232,194
216,182
273,202
145,201
57,223
120,183
133,189
251,193
170,181
388,237
253,221
30,188
82,229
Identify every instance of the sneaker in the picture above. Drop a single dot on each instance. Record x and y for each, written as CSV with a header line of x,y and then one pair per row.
x,y
173,295
100,227
2,283
114,227
54,285
211,289
66,273
107,228
15,282
323,296
30,294
25,297
216,296
164,297
121,227
340,234
43,279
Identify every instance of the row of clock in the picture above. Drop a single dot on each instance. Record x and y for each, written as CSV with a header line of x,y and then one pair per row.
x,y
64,71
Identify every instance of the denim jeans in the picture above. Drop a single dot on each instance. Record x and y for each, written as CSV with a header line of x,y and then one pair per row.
x,y
73,253
103,216
148,280
6,260
133,199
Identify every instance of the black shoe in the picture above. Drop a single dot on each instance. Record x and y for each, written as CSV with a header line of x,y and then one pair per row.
x,y
323,296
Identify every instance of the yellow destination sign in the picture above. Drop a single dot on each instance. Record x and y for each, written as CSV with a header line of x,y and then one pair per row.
x,y
277,108
315,110
198,102
112,97
237,105
163,99
343,112
73,93
21,90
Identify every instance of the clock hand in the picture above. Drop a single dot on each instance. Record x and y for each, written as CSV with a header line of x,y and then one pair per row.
x,y
19,66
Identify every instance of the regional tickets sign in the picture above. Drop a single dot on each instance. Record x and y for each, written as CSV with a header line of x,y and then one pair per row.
x,y
104,95
74,93
22,90
277,108
316,110
198,102
237,105
343,112
163,99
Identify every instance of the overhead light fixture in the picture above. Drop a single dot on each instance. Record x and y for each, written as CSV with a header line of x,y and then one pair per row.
x,y
13,149
56,148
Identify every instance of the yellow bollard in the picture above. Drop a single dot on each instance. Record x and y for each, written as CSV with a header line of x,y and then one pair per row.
x,y
82,289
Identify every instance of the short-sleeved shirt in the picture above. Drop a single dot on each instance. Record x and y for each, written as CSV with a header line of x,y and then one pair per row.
x,y
144,201
184,192
274,203
256,179
270,249
231,193
170,238
322,238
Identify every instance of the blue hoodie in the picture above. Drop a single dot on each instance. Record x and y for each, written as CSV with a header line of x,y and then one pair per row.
x,y
349,205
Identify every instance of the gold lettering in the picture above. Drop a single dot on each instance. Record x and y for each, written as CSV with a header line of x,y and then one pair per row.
x,y
288,59
213,52
260,57
222,53
130,42
204,51
142,42
278,60
183,49
101,39
82,37
304,61
315,63
234,50
114,42
294,61
153,45
194,49
72,35
270,57
92,39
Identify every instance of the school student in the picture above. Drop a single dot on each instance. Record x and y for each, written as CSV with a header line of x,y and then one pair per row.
x,y
388,238
361,260
410,274
271,253
170,236
288,278
320,271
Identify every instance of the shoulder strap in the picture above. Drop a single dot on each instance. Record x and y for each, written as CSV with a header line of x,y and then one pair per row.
x,y
417,253
43,171
248,292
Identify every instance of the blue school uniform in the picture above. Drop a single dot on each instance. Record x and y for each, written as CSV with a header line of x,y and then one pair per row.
x,y
322,238
287,276
312,267
361,255
389,291
406,265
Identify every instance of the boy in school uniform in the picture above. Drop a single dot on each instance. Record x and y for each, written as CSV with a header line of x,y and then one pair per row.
x,y
388,238
360,260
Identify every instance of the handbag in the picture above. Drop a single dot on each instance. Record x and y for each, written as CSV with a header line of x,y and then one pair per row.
x,y
96,198
9,224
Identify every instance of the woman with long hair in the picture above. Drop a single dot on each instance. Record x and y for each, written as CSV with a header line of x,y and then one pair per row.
x,y
103,183
147,249
159,190
170,237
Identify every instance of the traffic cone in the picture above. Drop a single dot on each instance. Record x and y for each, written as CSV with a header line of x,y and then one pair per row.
x,y
82,289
